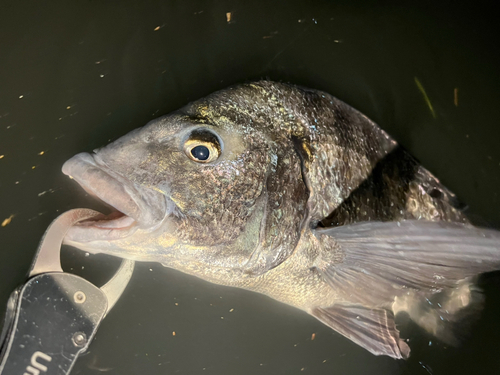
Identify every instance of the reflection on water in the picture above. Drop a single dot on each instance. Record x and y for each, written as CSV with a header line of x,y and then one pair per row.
x,y
75,75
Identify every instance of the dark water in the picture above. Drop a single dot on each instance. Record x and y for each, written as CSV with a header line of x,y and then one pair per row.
x,y
74,75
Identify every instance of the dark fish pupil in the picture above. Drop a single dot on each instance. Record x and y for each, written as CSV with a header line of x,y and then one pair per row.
x,y
200,152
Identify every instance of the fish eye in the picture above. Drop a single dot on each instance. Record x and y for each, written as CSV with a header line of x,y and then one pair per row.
x,y
200,153
202,146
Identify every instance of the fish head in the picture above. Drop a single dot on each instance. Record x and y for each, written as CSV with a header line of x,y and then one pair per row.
x,y
212,189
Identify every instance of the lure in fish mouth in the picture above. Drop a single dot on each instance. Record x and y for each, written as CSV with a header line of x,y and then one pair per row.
x,y
290,192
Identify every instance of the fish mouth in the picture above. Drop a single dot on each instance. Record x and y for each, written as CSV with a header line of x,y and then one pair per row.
x,y
133,207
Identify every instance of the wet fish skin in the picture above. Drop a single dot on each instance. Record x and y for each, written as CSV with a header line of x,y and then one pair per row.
x,y
293,160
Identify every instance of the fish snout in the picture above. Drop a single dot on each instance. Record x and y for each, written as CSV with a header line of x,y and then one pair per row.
x,y
145,206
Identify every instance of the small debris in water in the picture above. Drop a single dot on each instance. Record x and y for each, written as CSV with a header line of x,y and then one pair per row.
x,y
7,221
272,34
228,17
176,304
41,153
2,156
173,333
87,254
425,367
324,361
455,96
426,98
68,107
231,310
33,167
302,369
151,269
156,29
313,336
222,317
21,96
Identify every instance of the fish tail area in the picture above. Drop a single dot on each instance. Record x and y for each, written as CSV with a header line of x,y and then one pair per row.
x,y
423,268
448,315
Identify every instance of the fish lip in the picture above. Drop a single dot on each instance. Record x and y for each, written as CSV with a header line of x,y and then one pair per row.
x,y
133,210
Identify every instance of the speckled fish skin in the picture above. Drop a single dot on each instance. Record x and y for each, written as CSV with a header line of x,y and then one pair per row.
x,y
293,160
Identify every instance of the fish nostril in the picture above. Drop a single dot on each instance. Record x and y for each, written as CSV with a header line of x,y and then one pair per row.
x,y
436,193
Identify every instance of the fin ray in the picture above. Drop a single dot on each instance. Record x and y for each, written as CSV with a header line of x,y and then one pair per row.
x,y
381,260
372,329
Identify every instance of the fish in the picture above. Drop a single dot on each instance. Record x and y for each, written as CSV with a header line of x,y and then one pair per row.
x,y
290,192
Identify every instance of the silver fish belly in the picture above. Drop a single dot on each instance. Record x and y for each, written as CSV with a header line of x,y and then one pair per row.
x,y
289,192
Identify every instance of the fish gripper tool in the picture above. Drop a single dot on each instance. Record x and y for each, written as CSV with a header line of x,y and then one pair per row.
x,y
53,317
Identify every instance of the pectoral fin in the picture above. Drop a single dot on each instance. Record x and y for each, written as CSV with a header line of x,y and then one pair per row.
x,y
370,263
372,329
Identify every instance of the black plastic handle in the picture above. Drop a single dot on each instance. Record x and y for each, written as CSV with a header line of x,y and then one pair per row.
x,y
55,317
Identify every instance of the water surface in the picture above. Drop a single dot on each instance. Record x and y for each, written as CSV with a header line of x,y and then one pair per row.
x,y
75,75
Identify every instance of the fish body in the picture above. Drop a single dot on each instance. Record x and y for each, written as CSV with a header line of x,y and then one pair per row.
x,y
288,192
